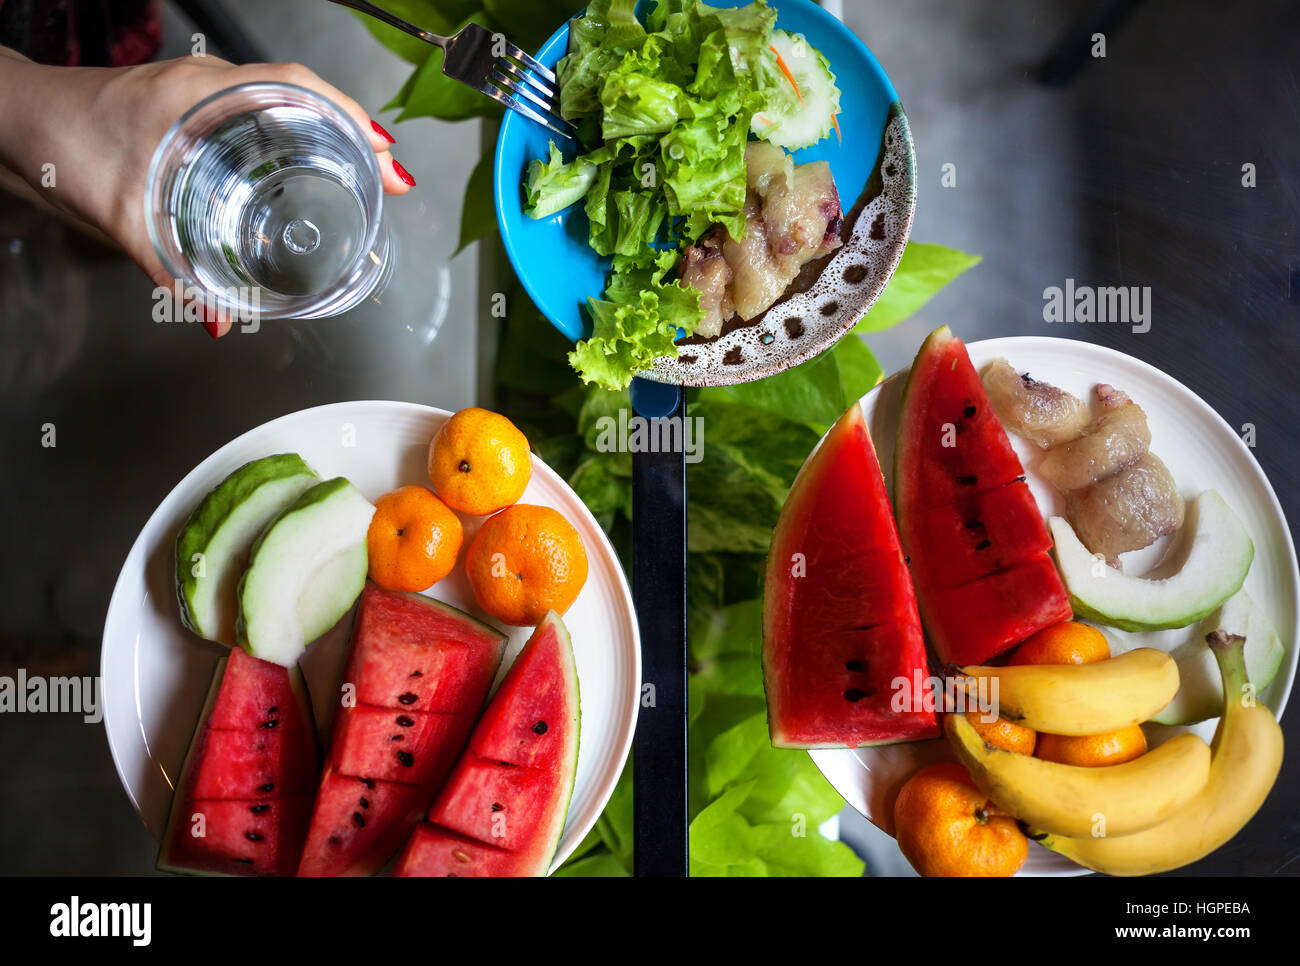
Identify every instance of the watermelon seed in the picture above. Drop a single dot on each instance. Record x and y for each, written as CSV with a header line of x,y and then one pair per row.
x,y
396,737
853,694
273,709
365,802
252,836
497,806
406,758
268,787
969,411
269,724
368,782
405,721
408,698
855,666
258,809
973,524
460,855
358,820
967,480
539,728
983,544
244,861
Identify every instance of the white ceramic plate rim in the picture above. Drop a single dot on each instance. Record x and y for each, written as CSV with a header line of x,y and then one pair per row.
x,y
576,827
842,768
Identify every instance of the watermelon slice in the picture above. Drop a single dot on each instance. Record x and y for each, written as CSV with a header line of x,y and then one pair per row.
x,y
977,542
244,795
416,678
503,809
840,624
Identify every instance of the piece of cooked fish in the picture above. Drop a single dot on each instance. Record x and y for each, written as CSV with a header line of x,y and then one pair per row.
x,y
1128,510
1117,438
792,215
1042,414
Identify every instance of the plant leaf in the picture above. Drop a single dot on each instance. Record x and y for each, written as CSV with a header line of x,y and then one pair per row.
x,y
923,270
478,214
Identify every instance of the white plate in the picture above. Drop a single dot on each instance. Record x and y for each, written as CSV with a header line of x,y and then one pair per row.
x,y
156,673
1201,450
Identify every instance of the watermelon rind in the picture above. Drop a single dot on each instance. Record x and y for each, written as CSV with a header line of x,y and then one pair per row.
x,y
570,770
213,546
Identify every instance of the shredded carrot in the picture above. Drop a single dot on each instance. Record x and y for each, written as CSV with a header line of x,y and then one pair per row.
x,y
835,119
780,62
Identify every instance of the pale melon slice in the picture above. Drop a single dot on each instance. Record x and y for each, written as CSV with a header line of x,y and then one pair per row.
x,y
1217,559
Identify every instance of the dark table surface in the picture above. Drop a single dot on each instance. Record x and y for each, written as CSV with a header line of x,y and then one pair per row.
x,y
1127,170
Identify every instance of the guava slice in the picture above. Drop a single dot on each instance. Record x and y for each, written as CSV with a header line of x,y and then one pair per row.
x,y
1216,560
1200,684
212,548
305,572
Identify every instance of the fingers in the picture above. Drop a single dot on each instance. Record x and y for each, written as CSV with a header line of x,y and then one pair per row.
x,y
397,180
215,322
298,74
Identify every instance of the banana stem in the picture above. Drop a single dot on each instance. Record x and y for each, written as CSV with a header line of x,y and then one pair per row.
x,y
1229,651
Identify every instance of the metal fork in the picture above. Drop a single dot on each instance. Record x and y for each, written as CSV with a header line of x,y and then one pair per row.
x,y
490,64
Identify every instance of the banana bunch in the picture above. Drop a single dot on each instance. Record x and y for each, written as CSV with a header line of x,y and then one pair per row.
x,y
1081,699
1245,760
1076,802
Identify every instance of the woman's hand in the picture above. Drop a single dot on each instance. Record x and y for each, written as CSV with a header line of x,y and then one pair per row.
x,y
99,128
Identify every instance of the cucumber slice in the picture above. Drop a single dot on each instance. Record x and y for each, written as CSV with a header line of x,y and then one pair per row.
x,y
1200,683
1215,565
797,119
212,548
305,572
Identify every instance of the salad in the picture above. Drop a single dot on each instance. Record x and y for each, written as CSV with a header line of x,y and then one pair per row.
x,y
664,112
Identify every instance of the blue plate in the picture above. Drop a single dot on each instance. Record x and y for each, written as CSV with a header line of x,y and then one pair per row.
x,y
560,271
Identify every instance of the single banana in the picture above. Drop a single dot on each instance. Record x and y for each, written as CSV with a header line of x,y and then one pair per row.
x,y
1247,755
1081,699
1074,801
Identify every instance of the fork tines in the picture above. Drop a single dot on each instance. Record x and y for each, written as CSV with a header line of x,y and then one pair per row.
x,y
506,73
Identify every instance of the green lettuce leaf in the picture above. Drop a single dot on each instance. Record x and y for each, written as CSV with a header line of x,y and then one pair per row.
x,y
554,185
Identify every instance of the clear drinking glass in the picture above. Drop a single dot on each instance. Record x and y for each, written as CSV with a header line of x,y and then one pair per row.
x,y
267,199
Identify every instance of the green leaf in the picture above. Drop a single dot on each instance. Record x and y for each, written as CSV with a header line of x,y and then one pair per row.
x,y
531,22
859,370
812,393
531,357
436,95
429,14
922,272
478,215
615,823
725,843
599,864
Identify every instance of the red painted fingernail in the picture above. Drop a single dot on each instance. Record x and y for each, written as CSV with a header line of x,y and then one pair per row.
x,y
211,324
382,133
403,173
